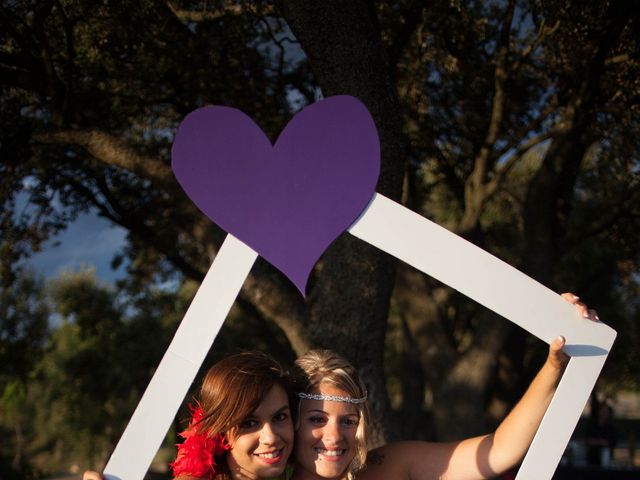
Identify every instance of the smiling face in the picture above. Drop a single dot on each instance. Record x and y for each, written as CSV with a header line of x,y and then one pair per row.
x,y
262,442
325,442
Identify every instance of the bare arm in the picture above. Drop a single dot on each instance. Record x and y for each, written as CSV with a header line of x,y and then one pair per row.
x,y
489,455
475,458
485,456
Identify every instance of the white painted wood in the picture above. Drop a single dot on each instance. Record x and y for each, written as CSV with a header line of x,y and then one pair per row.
x,y
561,417
498,286
181,362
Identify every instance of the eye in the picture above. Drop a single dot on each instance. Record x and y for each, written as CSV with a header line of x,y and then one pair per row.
x,y
316,420
248,424
350,422
281,417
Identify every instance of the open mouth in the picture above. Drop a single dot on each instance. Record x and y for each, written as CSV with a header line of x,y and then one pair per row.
x,y
334,453
270,457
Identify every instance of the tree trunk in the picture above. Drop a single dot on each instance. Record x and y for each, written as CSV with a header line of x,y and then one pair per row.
x,y
349,300
461,399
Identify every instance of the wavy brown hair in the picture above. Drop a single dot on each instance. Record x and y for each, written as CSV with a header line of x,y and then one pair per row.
x,y
234,387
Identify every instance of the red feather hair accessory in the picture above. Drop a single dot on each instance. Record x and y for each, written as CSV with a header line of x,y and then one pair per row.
x,y
196,455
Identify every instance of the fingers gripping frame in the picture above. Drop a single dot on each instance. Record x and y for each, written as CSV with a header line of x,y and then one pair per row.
x,y
432,250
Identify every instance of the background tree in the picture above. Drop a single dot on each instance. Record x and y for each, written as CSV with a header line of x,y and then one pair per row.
x,y
23,333
91,370
512,123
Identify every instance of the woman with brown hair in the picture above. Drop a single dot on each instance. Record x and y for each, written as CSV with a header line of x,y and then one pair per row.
x,y
241,425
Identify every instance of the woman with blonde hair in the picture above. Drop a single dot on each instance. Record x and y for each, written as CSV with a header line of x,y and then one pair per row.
x,y
330,378
332,422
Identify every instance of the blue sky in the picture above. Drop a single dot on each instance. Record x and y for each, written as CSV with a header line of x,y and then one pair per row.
x,y
90,240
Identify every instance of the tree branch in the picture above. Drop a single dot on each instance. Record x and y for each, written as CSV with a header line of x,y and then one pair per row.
x,y
229,8
621,207
69,63
13,77
110,150
411,18
501,172
134,224
543,32
475,188
281,305
55,86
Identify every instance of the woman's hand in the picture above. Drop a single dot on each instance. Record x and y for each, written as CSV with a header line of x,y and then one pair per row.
x,y
514,435
582,308
557,357
91,475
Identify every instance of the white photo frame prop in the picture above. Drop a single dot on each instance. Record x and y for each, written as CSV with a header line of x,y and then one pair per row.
x,y
431,249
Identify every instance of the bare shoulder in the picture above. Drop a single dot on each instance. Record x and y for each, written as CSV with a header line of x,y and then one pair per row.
x,y
381,464
406,461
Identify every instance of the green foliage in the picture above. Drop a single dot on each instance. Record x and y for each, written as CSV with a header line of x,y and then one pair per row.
x,y
23,326
23,334
69,396
79,386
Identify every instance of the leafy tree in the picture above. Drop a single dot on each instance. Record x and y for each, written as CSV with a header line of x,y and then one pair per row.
x,y
510,122
97,361
23,330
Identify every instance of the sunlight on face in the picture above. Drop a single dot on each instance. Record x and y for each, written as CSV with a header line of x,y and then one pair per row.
x,y
262,443
326,439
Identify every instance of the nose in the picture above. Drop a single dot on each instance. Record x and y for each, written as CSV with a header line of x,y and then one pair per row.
x,y
267,435
332,432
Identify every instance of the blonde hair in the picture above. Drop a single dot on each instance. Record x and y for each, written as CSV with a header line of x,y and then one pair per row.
x,y
326,367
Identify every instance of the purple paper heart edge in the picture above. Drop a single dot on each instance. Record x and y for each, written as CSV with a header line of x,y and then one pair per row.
x,y
288,201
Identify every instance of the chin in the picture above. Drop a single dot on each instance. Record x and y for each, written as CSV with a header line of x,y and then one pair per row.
x,y
331,472
270,471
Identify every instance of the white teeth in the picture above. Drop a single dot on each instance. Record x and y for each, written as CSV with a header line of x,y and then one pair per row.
x,y
330,453
269,455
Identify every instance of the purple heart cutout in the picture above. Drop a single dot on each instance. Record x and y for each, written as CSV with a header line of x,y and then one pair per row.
x,y
287,201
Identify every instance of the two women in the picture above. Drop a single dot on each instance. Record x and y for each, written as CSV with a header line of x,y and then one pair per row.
x,y
331,434
243,428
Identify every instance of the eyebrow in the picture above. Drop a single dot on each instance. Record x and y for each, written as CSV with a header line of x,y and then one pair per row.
x,y
317,410
281,409
253,415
